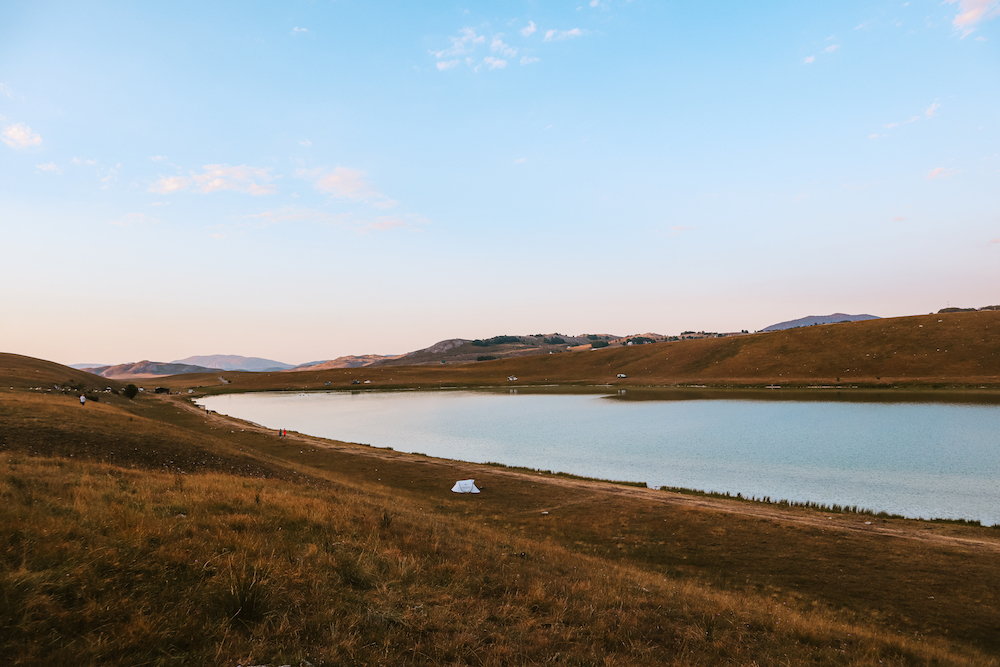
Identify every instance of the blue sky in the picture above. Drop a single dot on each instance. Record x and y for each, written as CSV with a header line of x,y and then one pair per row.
x,y
304,180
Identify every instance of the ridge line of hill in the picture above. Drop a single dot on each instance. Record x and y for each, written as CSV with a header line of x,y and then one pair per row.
x,y
953,349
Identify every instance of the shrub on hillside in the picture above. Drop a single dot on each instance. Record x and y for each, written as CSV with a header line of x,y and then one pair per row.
x,y
130,391
496,340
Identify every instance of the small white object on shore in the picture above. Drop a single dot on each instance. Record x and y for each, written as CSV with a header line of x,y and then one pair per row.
x,y
465,486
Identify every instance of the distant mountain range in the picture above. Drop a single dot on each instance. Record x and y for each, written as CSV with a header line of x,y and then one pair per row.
x,y
819,319
464,350
350,361
233,362
449,351
145,369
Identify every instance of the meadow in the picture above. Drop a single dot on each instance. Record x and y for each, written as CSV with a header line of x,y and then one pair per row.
x,y
105,565
149,532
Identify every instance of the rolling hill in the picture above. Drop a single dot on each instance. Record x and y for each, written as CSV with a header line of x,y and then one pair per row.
x,y
960,349
21,372
349,361
145,369
233,362
149,531
813,320
463,350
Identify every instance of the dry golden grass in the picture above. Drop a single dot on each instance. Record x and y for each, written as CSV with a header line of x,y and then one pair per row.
x,y
302,548
107,566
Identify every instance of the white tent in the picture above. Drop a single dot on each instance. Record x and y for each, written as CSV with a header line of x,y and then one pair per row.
x,y
465,486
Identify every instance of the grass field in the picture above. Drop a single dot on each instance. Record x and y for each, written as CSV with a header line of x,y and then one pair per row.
x,y
148,532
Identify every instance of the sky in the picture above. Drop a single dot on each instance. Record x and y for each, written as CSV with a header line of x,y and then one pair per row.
x,y
309,179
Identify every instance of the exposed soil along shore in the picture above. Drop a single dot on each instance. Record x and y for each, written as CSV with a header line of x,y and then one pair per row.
x,y
219,542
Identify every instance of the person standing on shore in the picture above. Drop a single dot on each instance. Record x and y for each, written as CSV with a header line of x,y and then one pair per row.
x,y
83,399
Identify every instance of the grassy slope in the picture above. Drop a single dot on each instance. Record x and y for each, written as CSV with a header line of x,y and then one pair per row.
x,y
926,350
20,372
107,566
363,556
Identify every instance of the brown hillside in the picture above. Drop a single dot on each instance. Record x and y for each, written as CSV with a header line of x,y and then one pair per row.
x,y
960,347
109,563
20,372
349,361
147,369
927,350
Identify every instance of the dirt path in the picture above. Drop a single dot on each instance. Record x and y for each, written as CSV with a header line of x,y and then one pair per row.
x,y
922,532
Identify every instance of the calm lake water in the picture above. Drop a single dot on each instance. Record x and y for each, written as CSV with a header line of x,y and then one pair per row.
x,y
915,459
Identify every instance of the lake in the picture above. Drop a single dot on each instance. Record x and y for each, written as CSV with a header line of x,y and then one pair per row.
x,y
915,459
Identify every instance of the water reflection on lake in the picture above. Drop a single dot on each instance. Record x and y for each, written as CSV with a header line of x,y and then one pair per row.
x,y
914,459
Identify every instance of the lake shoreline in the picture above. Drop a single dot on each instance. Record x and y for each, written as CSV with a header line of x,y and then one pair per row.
x,y
867,454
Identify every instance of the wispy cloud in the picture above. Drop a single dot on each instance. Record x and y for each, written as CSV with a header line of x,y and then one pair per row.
x,y
995,240
932,110
559,35
5,90
678,229
831,48
82,161
911,119
294,214
387,222
170,184
111,176
219,177
501,53
877,136
241,178
498,46
297,30
940,172
158,158
808,60
466,42
20,136
972,12
306,143
133,219
49,166
494,63
343,183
